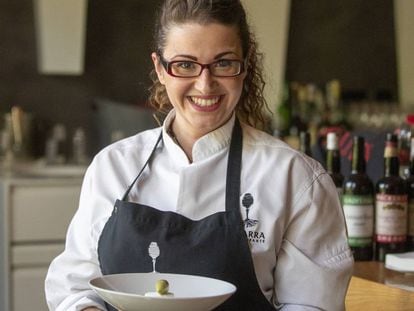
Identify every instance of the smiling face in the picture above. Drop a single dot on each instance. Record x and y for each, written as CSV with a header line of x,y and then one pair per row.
x,y
206,102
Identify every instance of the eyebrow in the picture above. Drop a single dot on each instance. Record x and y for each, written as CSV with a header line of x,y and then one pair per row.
x,y
195,58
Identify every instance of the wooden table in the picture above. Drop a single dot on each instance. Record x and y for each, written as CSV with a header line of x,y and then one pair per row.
x,y
370,289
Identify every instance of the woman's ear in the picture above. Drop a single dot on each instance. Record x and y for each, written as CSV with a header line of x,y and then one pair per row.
x,y
158,67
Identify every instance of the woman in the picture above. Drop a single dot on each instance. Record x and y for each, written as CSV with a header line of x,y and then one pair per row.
x,y
219,197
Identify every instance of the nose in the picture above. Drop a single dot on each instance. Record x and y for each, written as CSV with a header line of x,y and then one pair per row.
x,y
205,81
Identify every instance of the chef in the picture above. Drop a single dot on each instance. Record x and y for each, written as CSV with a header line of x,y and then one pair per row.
x,y
207,193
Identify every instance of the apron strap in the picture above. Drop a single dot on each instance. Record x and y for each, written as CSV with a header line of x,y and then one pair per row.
x,y
124,197
234,168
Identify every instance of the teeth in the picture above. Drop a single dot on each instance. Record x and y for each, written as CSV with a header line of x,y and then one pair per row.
x,y
205,102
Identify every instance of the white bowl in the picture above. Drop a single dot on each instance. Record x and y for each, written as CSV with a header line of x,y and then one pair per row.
x,y
126,291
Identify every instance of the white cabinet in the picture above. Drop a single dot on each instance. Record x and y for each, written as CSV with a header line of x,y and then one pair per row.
x,y
34,216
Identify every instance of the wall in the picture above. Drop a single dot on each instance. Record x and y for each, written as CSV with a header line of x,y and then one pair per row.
x,y
270,21
117,59
117,63
353,41
404,13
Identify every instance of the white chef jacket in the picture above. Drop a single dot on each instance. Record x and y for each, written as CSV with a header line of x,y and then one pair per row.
x,y
298,242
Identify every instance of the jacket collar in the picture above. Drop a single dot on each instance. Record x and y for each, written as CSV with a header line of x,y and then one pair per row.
x,y
204,147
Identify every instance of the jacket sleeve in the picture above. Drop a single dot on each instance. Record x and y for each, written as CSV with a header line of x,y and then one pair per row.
x,y
314,263
67,282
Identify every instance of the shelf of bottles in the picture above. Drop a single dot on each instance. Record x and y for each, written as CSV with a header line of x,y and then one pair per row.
x,y
318,110
367,147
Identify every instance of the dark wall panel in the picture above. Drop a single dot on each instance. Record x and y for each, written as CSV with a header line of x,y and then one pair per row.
x,y
350,40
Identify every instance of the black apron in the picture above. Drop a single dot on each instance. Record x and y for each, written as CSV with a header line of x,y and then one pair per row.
x,y
215,246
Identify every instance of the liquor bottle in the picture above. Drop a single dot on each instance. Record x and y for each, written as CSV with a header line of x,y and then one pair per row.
x,y
333,161
358,204
391,204
305,143
410,189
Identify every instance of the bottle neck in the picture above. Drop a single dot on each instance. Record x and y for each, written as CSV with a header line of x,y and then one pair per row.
x,y
391,166
412,166
358,159
333,161
391,162
305,143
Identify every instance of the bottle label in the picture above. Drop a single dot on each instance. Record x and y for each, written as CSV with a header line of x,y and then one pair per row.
x,y
359,216
411,218
391,218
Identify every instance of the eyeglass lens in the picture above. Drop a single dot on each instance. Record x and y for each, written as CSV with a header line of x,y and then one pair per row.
x,y
221,68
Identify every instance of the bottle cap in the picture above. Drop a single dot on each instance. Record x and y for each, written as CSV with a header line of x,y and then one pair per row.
x,y
332,141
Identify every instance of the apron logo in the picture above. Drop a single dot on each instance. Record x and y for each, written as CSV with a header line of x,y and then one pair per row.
x,y
154,252
247,202
252,235
256,237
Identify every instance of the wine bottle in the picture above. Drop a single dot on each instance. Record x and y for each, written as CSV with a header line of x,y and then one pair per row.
x,y
391,203
305,143
333,161
358,204
410,189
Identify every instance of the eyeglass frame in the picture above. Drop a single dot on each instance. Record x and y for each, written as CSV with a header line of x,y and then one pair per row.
x,y
167,66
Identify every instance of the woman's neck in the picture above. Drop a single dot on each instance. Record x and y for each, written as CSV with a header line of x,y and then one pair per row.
x,y
185,137
185,140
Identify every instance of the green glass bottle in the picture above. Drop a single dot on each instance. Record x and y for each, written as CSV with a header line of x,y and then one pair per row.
x,y
358,204
391,204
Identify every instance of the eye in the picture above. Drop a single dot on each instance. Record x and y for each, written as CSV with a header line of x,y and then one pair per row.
x,y
224,63
184,65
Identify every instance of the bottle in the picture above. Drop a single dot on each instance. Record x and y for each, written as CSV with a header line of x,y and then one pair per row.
x,y
333,161
284,113
79,147
333,116
296,96
305,143
55,152
410,190
333,99
358,204
404,137
391,203
313,108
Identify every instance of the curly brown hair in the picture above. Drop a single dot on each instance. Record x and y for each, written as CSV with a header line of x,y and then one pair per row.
x,y
252,104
